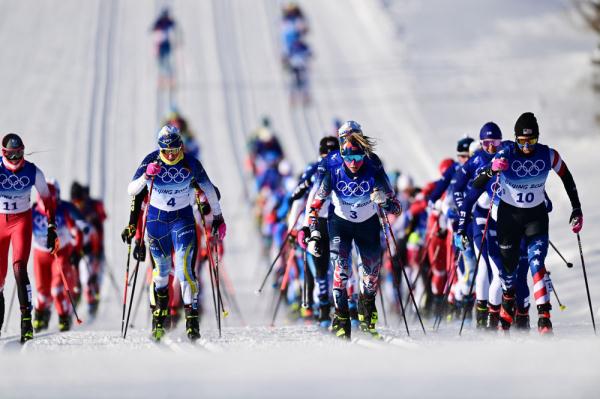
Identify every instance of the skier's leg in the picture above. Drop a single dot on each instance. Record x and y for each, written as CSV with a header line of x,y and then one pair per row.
x,y
42,269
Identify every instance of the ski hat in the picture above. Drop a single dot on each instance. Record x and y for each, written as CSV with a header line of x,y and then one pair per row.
x,y
348,128
169,137
13,151
490,131
327,144
527,126
77,191
462,147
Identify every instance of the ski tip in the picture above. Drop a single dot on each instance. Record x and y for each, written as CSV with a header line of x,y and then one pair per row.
x,y
257,292
225,313
563,307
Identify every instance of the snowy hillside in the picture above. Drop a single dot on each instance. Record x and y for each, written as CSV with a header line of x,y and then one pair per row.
x,y
79,83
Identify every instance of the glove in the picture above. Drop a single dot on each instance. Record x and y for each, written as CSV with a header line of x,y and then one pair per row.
x,y
74,258
204,208
378,197
314,244
576,220
128,233
461,240
219,228
139,251
499,165
303,236
52,242
152,169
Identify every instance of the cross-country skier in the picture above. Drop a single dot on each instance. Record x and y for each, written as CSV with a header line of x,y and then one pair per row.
x,y
17,177
70,227
522,214
357,186
170,226
163,31
321,263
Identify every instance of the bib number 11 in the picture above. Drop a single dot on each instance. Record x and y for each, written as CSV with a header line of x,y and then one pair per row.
x,y
528,198
10,206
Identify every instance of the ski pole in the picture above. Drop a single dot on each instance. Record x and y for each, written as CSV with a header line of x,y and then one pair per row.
x,y
230,294
551,284
284,283
387,242
569,264
285,241
385,322
414,282
382,217
444,304
125,287
587,288
305,283
139,301
137,263
485,228
10,306
65,283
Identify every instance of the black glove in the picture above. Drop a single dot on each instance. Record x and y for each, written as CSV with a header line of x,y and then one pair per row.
x,y
139,251
204,208
52,239
128,234
74,258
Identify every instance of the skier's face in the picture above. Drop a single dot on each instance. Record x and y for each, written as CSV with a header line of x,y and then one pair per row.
x,y
526,144
462,158
491,145
353,162
171,154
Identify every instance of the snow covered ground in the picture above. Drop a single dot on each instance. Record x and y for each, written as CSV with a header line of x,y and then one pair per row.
x,y
79,83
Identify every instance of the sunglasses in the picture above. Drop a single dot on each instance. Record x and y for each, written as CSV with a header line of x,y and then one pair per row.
x,y
12,155
353,158
171,151
526,141
490,142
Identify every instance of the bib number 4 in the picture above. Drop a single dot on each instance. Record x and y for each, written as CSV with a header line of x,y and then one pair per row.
x,y
171,202
525,198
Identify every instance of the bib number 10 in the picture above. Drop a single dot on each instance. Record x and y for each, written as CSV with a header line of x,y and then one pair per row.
x,y
522,198
9,206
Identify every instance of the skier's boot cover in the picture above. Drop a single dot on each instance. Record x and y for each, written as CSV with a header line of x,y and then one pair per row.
x,y
522,319
192,323
544,323
341,324
481,314
160,313
367,315
507,310
41,320
26,326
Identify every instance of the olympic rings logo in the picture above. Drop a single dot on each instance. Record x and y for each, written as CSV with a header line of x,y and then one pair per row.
x,y
40,222
528,167
14,181
173,174
353,189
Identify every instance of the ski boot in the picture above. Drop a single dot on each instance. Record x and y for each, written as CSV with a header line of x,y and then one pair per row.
x,y
481,312
192,323
160,313
507,310
437,304
1,309
341,324
41,320
544,323
455,312
64,323
367,315
26,326
493,317
522,319
324,315
93,308
307,314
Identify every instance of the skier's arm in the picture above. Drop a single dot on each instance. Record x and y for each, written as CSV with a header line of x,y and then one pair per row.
x,y
461,180
305,182
319,199
561,169
442,185
207,187
382,183
44,192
